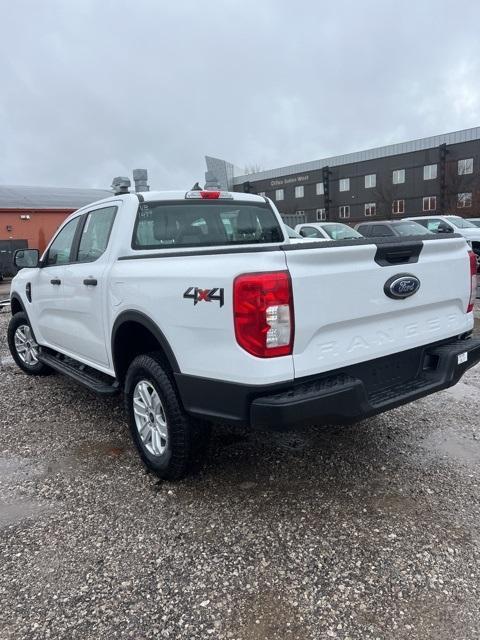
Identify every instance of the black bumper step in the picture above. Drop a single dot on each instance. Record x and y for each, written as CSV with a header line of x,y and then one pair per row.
x,y
90,378
344,397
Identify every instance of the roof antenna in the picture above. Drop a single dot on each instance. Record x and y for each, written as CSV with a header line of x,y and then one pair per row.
x,y
196,187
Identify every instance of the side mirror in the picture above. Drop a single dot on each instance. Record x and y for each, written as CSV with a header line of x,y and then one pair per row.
x,y
26,258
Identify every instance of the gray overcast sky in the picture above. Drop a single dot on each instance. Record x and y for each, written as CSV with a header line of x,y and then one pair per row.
x,y
91,89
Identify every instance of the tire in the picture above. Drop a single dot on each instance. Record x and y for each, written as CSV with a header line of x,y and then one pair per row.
x,y
170,443
20,334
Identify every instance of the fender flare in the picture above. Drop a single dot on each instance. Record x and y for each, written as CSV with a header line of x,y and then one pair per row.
x,y
15,296
144,320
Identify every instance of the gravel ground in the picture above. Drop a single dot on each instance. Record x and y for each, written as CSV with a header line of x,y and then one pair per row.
x,y
366,531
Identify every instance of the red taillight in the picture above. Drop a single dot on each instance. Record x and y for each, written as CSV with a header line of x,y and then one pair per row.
x,y
210,195
473,280
263,313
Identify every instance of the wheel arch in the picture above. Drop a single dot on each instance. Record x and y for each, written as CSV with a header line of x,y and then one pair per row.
x,y
134,333
16,305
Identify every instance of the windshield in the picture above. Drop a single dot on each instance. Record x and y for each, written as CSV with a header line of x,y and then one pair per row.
x,y
460,223
291,233
340,231
174,224
411,229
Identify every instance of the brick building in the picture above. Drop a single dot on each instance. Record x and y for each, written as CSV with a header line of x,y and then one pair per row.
x,y
35,213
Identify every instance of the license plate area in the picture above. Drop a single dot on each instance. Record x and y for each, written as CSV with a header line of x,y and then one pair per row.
x,y
392,370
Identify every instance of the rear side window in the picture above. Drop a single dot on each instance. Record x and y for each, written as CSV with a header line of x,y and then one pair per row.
x,y
432,224
364,229
410,229
310,232
170,225
381,231
95,234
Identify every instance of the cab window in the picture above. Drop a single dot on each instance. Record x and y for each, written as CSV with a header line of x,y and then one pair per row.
x,y
169,225
60,250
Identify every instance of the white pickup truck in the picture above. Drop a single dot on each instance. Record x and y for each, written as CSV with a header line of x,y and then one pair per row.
x,y
197,306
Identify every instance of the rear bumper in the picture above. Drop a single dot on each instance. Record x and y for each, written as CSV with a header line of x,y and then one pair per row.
x,y
346,398
344,395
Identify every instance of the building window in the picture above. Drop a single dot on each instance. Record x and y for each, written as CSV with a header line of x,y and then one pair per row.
x,y
398,206
319,189
370,209
464,200
299,192
279,194
430,172
261,193
371,181
398,176
430,203
465,166
321,215
344,211
344,184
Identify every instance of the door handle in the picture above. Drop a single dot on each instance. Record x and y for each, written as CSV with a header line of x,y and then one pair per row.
x,y
55,281
92,282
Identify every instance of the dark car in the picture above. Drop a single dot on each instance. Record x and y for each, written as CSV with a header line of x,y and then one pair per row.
x,y
391,229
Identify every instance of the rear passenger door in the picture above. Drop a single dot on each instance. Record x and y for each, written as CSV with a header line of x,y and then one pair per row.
x,y
84,295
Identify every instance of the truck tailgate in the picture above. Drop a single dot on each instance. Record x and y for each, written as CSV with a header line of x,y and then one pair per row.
x,y
343,316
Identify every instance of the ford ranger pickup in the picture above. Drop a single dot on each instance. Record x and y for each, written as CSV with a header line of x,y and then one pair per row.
x,y
198,307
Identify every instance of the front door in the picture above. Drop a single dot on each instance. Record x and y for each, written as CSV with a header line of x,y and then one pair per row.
x,y
84,297
47,287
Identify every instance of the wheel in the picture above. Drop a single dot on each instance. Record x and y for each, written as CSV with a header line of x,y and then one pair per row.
x,y
23,346
170,443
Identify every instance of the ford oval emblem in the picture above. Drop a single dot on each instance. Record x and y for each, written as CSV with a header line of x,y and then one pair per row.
x,y
401,286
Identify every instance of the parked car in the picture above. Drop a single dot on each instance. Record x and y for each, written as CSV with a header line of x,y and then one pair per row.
x,y
295,237
391,228
196,308
327,231
453,224
450,224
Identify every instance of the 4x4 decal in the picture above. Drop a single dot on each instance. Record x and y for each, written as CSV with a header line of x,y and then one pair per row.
x,y
204,295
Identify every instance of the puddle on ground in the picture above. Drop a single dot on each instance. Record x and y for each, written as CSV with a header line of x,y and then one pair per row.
x,y
462,391
13,469
18,511
463,448
92,453
13,473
